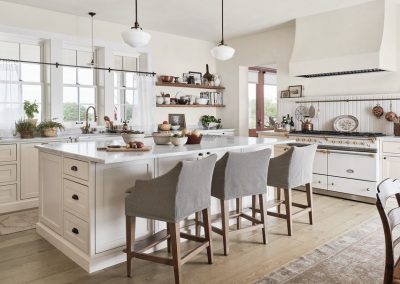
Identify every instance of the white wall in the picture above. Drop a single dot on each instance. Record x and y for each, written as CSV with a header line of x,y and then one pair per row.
x,y
170,54
275,46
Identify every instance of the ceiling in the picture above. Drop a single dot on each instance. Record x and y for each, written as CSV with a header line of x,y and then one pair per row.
x,y
195,18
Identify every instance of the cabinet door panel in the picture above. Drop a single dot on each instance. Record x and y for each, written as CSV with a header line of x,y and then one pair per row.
x,y
29,171
50,184
168,163
390,167
321,162
111,185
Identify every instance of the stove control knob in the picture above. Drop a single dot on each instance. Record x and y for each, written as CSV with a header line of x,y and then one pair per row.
x,y
309,139
333,141
297,139
362,143
340,141
355,142
347,142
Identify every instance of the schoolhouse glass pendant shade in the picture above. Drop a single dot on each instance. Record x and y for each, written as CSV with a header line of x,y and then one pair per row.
x,y
135,36
222,51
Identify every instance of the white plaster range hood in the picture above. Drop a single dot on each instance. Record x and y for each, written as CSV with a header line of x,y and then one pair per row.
x,y
359,39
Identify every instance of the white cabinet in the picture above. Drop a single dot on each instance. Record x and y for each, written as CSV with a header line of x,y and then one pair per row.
x,y
8,193
352,165
352,186
166,164
320,181
8,153
29,171
321,162
390,167
50,184
112,181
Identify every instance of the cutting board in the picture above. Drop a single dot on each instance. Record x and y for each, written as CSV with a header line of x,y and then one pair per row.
x,y
124,149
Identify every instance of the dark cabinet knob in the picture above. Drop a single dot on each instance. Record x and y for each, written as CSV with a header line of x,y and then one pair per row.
x,y
200,154
75,197
384,158
74,168
75,231
208,153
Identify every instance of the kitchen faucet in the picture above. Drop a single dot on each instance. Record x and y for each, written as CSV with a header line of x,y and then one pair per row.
x,y
86,129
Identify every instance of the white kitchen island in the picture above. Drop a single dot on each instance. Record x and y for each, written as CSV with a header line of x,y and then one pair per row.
x,y
82,192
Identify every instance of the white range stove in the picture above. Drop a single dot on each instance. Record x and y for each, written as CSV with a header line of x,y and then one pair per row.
x,y
346,164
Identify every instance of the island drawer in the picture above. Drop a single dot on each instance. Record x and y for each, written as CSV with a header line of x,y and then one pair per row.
x,y
76,199
8,153
8,193
76,168
352,186
391,147
76,231
8,173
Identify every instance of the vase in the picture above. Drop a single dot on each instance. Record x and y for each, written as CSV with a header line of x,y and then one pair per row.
x,y
217,80
208,76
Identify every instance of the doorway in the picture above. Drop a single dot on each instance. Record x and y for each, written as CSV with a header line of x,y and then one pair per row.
x,y
263,99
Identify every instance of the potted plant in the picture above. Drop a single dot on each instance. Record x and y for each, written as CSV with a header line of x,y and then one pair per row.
x,y
49,128
25,128
30,110
209,121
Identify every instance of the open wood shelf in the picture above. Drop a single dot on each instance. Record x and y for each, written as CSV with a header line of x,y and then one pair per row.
x,y
181,85
190,105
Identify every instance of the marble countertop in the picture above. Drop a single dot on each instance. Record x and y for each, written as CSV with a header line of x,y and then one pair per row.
x,y
87,151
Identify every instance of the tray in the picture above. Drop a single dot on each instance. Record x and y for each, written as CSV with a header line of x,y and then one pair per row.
x,y
124,149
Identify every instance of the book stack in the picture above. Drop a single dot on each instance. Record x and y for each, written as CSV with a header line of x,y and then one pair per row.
x,y
214,98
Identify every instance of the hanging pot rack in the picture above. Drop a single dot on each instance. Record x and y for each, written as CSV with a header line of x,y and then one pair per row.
x,y
56,64
346,100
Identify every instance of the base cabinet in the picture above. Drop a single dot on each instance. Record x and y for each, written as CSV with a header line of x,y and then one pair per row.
x,y
51,183
390,167
29,171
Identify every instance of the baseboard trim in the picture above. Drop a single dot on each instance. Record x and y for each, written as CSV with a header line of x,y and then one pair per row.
x,y
19,205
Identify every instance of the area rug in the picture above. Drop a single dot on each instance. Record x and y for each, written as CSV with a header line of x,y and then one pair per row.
x,y
18,221
357,256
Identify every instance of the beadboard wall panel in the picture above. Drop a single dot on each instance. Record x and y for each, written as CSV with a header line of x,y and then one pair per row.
x,y
329,111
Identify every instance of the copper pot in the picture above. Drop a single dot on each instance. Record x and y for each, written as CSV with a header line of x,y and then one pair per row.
x,y
307,126
378,111
391,116
166,79
396,128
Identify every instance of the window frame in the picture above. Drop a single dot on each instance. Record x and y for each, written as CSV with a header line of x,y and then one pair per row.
x,y
79,86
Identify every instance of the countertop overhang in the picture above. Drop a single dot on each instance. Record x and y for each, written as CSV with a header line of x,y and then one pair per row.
x,y
87,151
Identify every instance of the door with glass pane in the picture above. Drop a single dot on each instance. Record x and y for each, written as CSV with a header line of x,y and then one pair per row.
x,y
262,96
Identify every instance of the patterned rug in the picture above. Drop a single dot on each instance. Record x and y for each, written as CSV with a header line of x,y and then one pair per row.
x,y
18,221
357,256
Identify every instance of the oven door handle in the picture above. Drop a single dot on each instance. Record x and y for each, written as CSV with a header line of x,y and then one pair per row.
x,y
372,155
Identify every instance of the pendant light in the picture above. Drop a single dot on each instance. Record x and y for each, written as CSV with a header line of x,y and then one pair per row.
x,y
135,36
222,51
91,63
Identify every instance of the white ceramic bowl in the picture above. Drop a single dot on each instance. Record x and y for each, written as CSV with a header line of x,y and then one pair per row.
x,y
161,138
175,127
179,141
201,101
130,137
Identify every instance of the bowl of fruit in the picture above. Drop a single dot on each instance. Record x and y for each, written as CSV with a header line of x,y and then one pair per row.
x,y
179,139
130,136
194,137
165,126
161,138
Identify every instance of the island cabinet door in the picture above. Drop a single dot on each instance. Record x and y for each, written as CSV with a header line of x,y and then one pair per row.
x,y
112,182
29,171
50,184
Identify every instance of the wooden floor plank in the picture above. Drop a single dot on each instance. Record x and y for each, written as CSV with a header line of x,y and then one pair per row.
x,y
26,257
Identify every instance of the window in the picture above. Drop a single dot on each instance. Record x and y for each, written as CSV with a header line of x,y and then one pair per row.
x,y
79,86
125,87
19,81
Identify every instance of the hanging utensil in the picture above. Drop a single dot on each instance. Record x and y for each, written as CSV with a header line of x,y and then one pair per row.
x,y
391,116
378,111
318,111
311,111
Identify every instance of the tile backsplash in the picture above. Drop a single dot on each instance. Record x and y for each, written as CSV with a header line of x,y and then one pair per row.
x,y
328,111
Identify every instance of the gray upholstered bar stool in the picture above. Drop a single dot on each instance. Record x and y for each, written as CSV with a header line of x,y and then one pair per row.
x,y
172,197
292,169
237,175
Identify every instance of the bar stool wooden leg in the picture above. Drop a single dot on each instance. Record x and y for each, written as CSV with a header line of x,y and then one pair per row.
x,y
263,212
238,211
176,252
310,201
278,197
169,239
130,241
253,207
197,219
225,225
288,206
207,233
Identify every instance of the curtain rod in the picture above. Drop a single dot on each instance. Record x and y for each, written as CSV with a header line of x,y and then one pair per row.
x,y
78,66
347,100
